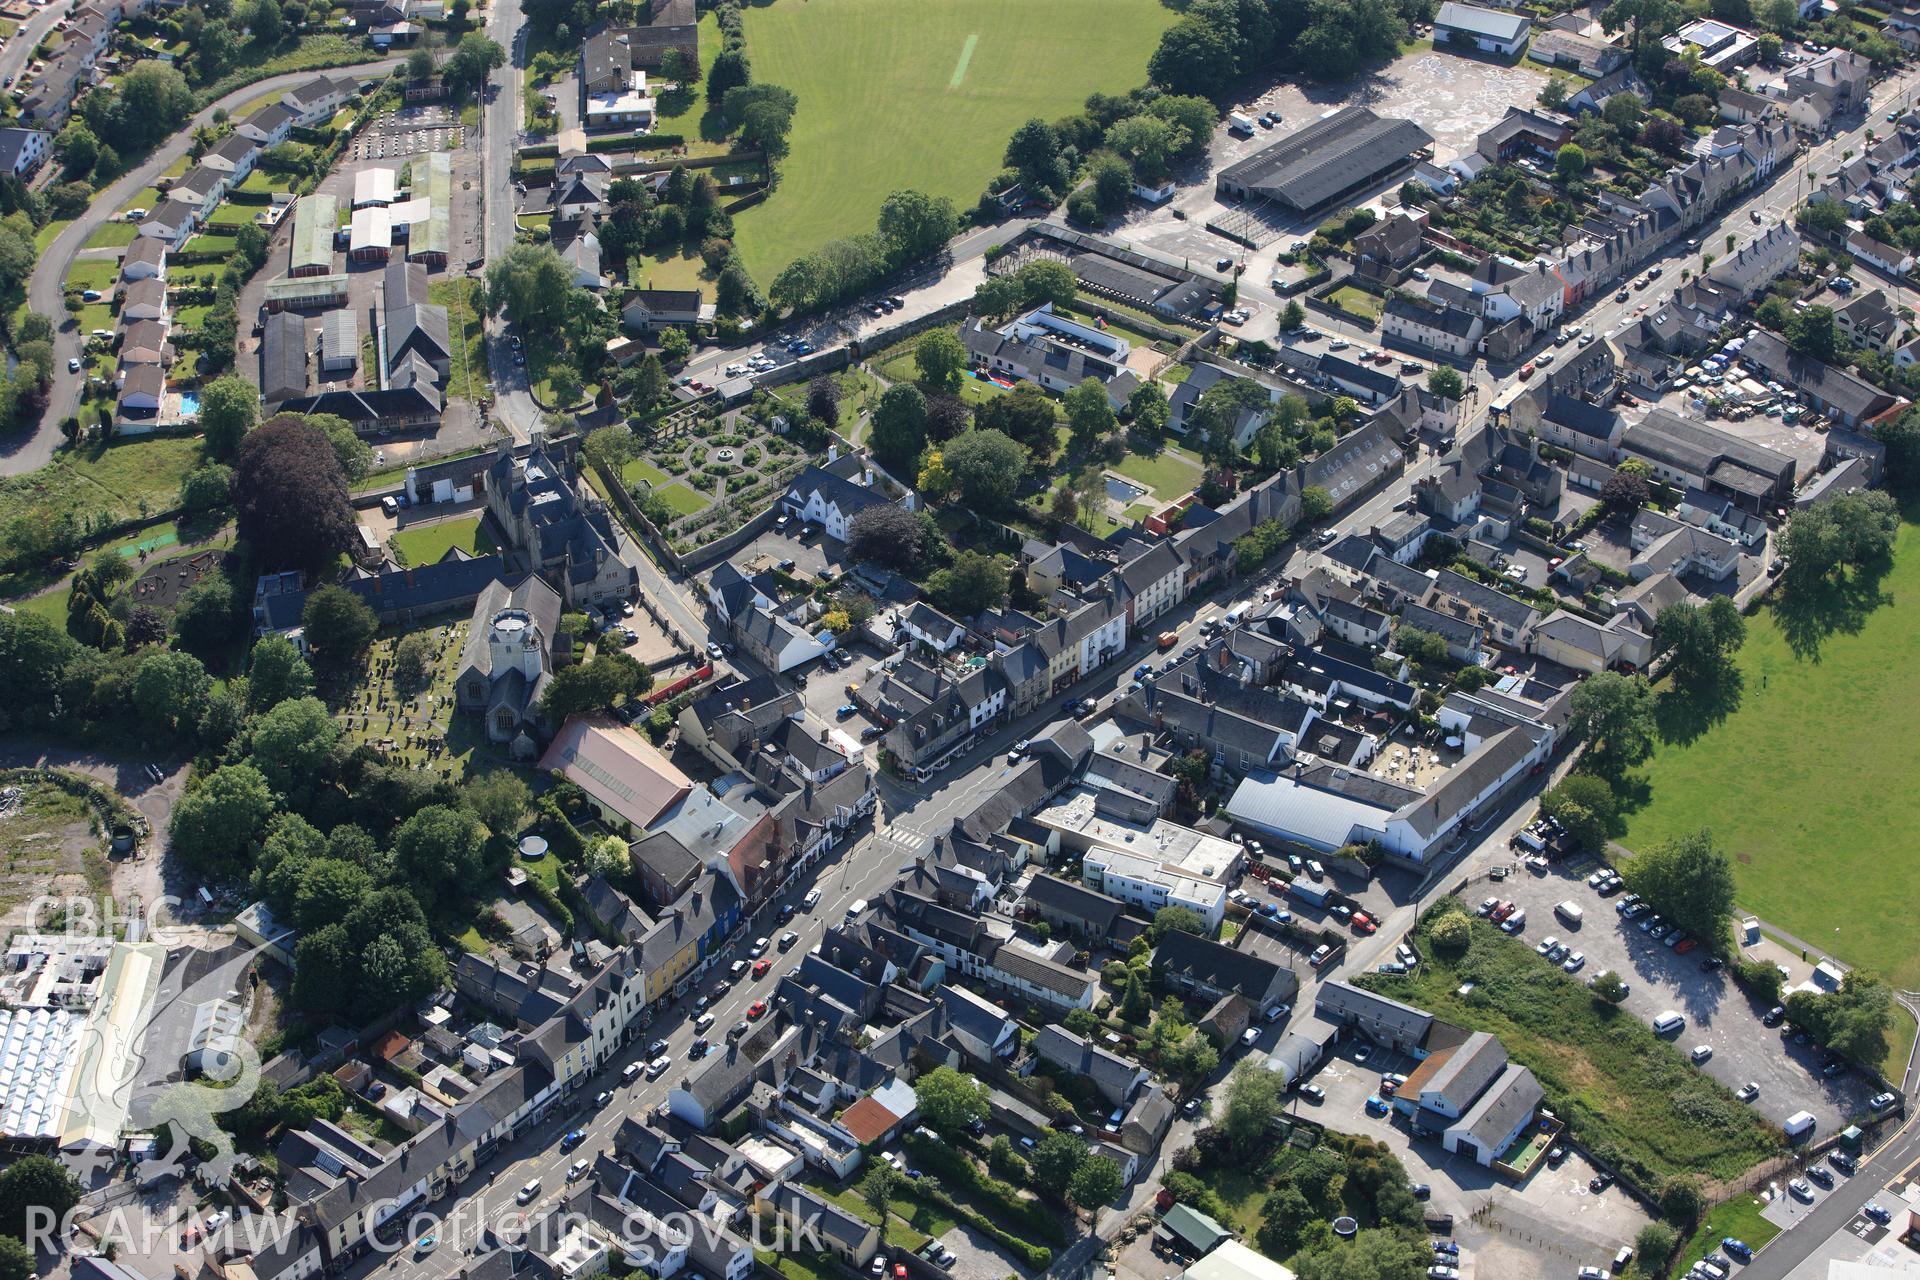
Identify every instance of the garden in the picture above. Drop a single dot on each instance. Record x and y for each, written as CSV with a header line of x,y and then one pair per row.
x,y
428,543
704,477
1629,1097
416,724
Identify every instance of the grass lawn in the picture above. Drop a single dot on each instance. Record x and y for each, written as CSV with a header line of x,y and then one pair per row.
x,y
470,378
1615,1083
641,469
922,96
118,481
680,271
1170,473
93,273
682,499
897,1231
1739,1218
428,543
1358,302
51,605
686,113
1805,781
115,235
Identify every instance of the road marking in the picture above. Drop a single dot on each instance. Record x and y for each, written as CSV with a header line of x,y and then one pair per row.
x,y
966,56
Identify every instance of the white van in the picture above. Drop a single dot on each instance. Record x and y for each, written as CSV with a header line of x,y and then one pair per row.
x,y
1798,1125
1570,912
1235,614
1668,1022
856,907
1240,122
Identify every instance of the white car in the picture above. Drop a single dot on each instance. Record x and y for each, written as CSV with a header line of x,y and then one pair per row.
x,y
1701,1052
1575,962
528,1192
577,1170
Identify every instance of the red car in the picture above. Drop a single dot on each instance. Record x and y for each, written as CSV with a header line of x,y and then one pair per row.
x,y
761,966
1526,371
758,1009
1363,923
1501,912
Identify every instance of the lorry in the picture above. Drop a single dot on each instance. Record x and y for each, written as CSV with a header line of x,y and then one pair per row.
x,y
1314,895
1241,123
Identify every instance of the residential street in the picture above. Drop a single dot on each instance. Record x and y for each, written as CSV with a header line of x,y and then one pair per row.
x,y
45,294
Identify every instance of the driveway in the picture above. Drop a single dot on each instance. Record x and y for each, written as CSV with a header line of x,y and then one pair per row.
x,y
1719,1014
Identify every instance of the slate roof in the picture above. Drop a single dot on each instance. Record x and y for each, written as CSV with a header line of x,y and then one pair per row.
x,y
283,357
1261,982
1055,897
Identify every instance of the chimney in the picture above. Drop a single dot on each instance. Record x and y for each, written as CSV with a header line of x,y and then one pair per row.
x,y
833,453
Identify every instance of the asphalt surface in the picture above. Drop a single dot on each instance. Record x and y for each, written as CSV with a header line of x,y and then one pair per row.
x,y
45,293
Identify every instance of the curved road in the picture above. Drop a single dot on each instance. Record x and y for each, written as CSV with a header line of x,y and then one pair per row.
x,y
44,289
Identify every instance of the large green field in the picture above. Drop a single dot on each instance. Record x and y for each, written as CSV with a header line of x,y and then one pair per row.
x,y
922,94
1807,781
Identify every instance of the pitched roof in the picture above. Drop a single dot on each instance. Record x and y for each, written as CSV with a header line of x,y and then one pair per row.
x,y
616,767
1328,156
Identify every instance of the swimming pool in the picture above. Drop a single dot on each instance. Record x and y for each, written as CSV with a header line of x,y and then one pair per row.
x,y
1124,492
189,404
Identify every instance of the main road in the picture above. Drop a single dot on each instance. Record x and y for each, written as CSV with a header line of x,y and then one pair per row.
x,y
45,288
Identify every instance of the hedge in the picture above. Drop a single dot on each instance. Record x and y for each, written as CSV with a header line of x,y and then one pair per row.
x,y
1036,1257
540,151
1002,1199
636,142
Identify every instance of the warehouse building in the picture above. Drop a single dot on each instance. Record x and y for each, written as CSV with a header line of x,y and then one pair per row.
x,y
1340,155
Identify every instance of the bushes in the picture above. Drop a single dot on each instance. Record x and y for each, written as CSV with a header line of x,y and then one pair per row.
x,y
625,142
1005,1202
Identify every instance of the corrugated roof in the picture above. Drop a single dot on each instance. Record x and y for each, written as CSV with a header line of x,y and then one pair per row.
x,y
315,219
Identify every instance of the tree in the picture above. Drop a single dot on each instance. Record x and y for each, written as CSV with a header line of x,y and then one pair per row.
x,y
531,285
1177,920
170,690
276,672
1452,933
294,745
1135,1006
916,225
1623,493
437,851
1553,95
823,399
1254,1096
1689,881
877,1190
595,685
500,799
215,825
1811,334
1443,380
1681,1199
338,626
328,890
1608,986
1047,281
36,1183
1026,416
899,428
1111,181
206,487
762,112
1853,529
16,1260
886,535
1217,415
972,583
986,467
1585,806
1570,162
1089,412
1614,713
1654,1245
1286,1217
1054,1163
1293,317
1194,57
1147,416
1700,640
472,60
940,357
947,416
950,1100
291,497
1034,150
420,64
206,616
1095,1182
78,148
1149,142
1767,48
227,409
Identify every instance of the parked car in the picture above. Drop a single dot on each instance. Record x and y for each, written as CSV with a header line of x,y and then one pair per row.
x,y
1748,1091
1311,1092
